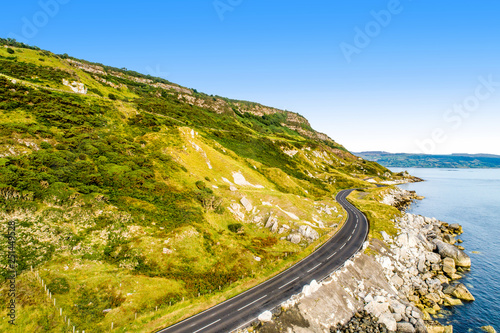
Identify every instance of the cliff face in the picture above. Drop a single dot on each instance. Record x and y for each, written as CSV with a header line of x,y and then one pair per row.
x,y
293,120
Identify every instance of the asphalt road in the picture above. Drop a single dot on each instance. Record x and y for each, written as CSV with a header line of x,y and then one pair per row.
x,y
246,307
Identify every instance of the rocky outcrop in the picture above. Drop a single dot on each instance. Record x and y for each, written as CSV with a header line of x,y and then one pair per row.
x,y
294,238
308,232
399,198
77,87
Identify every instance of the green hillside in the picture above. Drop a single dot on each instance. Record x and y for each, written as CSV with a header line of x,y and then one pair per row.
x,y
127,192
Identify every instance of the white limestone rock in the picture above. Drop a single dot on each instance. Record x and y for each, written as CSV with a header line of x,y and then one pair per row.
x,y
308,232
246,203
265,316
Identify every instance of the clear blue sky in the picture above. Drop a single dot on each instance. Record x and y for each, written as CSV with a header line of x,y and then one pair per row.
x,y
390,84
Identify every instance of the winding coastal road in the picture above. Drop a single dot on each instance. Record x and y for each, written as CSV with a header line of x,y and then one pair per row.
x,y
244,308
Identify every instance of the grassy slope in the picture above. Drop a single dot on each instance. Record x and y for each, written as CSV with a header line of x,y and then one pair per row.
x,y
100,187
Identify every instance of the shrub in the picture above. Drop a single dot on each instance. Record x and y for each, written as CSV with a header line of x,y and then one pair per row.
x,y
112,97
11,51
200,185
59,286
235,227
45,145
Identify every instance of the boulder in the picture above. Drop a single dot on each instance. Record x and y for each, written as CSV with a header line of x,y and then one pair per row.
x,y
435,328
456,228
448,250
377,308
449,266
265,316
397,307
294,238
420,326
308,232
433,297
275,227
421,265
442,278
432,257
450,301
397,281
427,245
488,329
461,292
402,240
405,327
271,221
449,239
388,321
246,203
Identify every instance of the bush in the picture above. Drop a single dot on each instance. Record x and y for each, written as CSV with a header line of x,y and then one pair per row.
x,y
112,97
235,227
45,145
59,286
11,51
200,185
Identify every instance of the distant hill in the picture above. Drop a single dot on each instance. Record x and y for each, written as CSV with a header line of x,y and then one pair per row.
x,y
432,161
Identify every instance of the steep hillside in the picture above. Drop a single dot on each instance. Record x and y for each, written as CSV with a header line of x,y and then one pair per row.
x,y
140,202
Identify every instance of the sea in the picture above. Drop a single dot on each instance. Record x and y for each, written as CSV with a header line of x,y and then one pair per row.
x,y
470,197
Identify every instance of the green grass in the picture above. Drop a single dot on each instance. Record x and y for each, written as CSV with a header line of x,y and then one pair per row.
x,y
380,216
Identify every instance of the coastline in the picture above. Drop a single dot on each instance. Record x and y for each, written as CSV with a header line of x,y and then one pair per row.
x,y
396,285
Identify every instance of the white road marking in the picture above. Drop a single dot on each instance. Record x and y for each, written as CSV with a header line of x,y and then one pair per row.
x,y
207,326
356,225
252,302
334,253
352,233
288,282
349,238
342,246
314,267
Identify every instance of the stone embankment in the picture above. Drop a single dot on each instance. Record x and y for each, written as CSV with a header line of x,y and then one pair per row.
x,y
393,286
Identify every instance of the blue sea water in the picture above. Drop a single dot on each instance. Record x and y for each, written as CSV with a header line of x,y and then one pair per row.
x,y
470,197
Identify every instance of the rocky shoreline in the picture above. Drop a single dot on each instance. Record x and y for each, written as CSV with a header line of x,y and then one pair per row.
x,y
397,288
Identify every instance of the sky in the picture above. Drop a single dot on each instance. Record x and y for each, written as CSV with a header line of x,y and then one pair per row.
x,y
411,76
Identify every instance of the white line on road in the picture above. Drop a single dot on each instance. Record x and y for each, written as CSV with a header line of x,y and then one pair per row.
x,y
288,282
207,326
349,238
252,303
352,233
342,246
334,253
314,267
